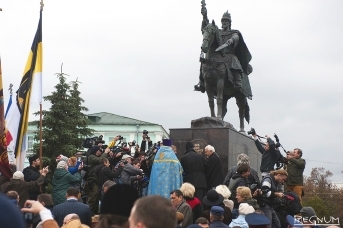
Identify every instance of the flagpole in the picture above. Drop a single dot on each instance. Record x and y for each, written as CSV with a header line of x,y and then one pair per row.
x,y
40,117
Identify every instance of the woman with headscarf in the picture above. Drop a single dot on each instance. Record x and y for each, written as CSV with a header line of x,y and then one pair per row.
x,y
61,181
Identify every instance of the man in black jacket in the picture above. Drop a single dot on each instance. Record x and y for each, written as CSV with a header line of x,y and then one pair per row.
x,y
242,159
214,168
237,180
193,165
104,173
32,173
146,143
269,155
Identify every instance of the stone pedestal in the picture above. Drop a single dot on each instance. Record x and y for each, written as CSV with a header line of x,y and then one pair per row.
x,y
227,142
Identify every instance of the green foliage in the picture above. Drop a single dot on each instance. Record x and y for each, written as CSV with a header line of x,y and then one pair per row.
x,y
322,195
64,124
318,205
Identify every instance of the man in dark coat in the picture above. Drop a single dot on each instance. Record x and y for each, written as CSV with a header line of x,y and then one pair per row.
x,y
72,206
214,169
193,165
31,173
18,184
104,172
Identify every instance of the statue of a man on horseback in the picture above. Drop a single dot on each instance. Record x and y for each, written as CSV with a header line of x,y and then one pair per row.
x,y
234,50
224,67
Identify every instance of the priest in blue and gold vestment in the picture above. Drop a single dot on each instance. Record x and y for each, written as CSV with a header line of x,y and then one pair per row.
x,y
166,172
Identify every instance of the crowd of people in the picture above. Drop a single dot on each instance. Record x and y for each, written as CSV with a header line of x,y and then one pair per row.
x,y
148,186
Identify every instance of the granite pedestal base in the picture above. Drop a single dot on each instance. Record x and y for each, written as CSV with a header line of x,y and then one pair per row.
x,y
228,143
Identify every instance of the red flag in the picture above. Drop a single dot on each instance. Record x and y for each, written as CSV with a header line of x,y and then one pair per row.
x,y
4,163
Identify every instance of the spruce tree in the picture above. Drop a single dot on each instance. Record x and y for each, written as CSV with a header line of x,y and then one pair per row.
x,y
64,125
80,122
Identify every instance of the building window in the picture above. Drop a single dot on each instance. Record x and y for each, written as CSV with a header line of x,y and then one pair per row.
x,y
29,145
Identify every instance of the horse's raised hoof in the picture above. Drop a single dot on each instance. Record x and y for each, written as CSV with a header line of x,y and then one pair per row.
x,y
199,87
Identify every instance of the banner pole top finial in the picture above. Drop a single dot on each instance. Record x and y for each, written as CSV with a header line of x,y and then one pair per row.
x,y
41,5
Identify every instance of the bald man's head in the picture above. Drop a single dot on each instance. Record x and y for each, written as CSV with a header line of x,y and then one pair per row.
x,y
69,217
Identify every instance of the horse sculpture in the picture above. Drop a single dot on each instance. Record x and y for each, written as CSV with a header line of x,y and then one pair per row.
x,y
215,74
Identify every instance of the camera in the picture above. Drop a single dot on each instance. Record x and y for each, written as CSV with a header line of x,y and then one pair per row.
x,y
150,153
133,143
145,132
28,216
144,182
90,142
252,131
120,137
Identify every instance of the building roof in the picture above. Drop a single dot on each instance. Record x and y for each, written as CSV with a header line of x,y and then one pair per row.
x,y
105,118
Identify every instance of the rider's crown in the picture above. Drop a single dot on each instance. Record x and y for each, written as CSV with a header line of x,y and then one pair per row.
x,y
226,16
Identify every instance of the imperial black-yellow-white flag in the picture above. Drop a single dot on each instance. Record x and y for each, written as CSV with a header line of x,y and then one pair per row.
x,y
18,113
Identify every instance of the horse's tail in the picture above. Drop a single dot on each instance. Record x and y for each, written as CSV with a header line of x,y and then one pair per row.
x,y
247,111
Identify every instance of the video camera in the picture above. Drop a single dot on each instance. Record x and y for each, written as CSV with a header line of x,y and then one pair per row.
x,y
252,132
145,132
90,142
133,143
150,153
120,137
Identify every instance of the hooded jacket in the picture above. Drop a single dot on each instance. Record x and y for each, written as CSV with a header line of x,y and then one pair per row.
x,y
61,181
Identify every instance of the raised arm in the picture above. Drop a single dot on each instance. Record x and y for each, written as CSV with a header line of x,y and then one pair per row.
x,y
204,14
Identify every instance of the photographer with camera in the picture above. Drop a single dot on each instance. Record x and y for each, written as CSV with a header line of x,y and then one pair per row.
x,y
268,151
146,142
270,192
104,172
295,169
130,172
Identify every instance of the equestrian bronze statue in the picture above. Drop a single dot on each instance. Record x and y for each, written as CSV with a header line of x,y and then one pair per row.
x,y
224,67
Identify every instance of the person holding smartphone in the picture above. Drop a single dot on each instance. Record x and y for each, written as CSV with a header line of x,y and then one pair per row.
x,y
74,164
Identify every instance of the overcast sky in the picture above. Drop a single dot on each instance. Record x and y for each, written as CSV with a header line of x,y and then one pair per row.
x,y
140,59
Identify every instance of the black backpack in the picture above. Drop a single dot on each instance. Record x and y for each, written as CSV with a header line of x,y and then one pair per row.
x,y
289,203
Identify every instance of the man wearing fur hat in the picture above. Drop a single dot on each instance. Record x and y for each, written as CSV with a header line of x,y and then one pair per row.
x,y
166,171
32,173
18,184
